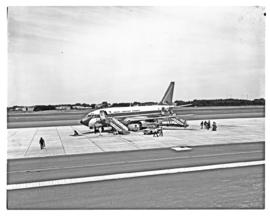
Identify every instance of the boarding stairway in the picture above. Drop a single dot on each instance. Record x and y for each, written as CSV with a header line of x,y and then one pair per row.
x,y
117,125
173,118
180,122
114,123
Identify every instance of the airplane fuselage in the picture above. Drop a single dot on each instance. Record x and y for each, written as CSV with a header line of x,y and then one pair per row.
x,y
124,118
128,115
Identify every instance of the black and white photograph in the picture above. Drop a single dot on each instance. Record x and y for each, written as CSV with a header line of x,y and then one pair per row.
x,y
135,107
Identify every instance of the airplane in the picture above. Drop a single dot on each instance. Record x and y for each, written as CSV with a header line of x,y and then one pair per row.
x,y
133,118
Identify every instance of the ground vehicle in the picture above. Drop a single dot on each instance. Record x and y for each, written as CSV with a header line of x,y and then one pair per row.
x,y
149,131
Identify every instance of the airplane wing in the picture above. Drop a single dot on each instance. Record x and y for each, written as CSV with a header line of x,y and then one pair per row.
x,y
136,119
170,116
145,118
185,105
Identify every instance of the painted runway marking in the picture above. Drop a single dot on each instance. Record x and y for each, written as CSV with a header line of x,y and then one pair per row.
x,y
135,161
131,175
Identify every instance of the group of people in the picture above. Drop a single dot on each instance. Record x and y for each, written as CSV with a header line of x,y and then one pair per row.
x,y
158,132
207,125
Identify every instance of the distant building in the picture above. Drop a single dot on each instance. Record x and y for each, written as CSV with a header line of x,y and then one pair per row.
x,y
103,105
63,107
30,108
20,108
79,107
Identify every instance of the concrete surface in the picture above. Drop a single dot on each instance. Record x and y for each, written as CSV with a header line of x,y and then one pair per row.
x,y
24,142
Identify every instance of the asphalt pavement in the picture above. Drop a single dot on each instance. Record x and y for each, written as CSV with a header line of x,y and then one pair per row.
x,y
237,188
228,188
41,169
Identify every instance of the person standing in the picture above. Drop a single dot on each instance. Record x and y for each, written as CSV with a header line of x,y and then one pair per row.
x,y
161,131
205,124
154,133
41,143
202,125
214,126
100,130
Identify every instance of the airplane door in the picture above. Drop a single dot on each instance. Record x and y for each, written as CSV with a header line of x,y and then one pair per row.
x,y
163,111
102,115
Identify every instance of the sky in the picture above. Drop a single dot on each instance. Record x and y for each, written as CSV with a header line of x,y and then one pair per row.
x,y
124,54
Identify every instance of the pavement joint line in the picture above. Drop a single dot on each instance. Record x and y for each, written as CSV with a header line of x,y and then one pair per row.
x,y
131,175
93,142
128,141
134,161
13,134
30,142
61,140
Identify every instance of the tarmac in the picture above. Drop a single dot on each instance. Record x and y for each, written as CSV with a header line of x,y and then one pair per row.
x,y
24,142
213,176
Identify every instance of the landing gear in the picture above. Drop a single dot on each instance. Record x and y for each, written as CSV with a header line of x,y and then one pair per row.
x,y
96,130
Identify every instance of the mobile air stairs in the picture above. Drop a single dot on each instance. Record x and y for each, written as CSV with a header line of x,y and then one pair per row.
x,y
118,126
178,122
114,123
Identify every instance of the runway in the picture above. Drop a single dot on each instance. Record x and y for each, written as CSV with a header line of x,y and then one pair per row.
x,y
175,187
72,118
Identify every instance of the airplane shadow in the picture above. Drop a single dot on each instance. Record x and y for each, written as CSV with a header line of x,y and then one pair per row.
x,y
171,129
182,129
81,134
91,132
88,132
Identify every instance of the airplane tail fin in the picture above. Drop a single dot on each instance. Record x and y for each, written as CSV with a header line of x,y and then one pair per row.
x,y
168,96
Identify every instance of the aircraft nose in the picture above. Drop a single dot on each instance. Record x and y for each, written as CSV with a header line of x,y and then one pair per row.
x,y
84,122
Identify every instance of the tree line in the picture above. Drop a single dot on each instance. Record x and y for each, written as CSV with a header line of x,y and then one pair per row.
x,y
221,102
195,102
